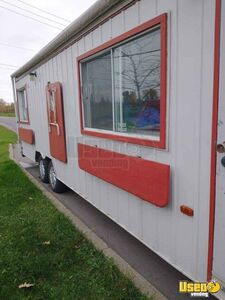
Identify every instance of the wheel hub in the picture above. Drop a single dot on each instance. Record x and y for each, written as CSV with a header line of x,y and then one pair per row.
x,y
42,169
52,177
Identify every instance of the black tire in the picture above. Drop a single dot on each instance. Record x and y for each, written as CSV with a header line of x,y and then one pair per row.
x,y
43,169
56,185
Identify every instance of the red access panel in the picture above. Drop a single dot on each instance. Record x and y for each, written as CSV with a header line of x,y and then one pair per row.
x,y
26,135
145,179
56,126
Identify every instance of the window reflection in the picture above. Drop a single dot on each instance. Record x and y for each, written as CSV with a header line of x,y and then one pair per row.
x,y
121,87
137,85
22,102
97,92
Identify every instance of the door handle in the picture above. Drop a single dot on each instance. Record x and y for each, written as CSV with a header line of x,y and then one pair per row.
x,y
57,127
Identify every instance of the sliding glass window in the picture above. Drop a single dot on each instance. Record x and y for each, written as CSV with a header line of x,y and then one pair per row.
x,y
121,87
137,85
22,105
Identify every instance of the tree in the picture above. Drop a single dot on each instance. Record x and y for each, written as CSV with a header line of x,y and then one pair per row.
x,y
2,102
137,67
6,107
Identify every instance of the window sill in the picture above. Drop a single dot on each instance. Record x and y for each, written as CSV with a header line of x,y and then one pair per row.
x,y
24,122
126,139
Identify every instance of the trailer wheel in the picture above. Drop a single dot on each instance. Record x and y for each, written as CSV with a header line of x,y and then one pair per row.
x,y
43,169
56,185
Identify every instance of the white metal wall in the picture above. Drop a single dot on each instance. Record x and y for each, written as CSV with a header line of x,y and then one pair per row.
x,y
179,239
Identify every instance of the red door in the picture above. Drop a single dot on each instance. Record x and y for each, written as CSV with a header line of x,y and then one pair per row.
x,y
56,121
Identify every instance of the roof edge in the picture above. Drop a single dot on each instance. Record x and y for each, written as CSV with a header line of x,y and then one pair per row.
x,y
89,16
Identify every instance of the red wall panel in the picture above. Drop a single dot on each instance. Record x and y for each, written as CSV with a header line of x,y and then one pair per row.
x,y
57,136
26,135
146,179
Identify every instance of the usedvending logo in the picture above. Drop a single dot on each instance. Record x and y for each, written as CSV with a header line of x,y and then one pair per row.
x,y
199,289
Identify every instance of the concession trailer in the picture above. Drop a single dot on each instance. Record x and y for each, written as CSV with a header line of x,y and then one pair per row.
x,y
126,107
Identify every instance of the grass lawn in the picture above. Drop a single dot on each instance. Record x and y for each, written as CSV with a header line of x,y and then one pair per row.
x,y
39,245
7,114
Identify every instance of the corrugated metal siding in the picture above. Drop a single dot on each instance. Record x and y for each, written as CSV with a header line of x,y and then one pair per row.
x,y
180,240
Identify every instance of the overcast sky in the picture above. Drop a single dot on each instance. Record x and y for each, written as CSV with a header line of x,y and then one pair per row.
x,y
22,37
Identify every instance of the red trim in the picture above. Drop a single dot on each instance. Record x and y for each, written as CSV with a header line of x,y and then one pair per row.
x,y
26,135
162,21
17,104
146,179
111,16
214,136
80,98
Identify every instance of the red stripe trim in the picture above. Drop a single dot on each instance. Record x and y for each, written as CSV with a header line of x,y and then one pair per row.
x,y
214,137
160,20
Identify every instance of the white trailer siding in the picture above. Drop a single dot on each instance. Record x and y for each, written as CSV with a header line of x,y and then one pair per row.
x,y
180,240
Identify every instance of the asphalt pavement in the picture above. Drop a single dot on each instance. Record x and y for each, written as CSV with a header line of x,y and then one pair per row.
x,y
9,122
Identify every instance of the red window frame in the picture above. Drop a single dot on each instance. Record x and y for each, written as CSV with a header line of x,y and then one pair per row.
x,y
24,88
161,143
